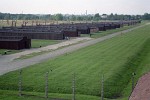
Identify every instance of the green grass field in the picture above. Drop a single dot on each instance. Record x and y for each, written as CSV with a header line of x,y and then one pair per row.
x,y
13,95
116,58
2,51
103,33
37,43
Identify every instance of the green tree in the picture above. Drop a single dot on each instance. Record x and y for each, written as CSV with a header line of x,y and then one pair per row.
x,y
97,17
7,17
80,18
73,17
59,17
146,16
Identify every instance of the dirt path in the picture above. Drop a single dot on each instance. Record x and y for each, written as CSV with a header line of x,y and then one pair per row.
x,y
7,64
142,89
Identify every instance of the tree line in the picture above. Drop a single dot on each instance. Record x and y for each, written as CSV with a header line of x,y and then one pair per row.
x,y
68,17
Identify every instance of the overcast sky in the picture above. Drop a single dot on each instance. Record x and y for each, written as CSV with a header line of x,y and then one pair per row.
x,y
75,6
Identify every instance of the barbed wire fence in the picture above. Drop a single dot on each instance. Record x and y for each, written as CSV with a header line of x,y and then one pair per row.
x,y
102,85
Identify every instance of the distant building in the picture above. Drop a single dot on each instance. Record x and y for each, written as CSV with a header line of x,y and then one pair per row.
x,y
14,42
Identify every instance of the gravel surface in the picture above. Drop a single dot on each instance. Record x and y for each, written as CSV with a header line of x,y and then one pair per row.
x,y
7,63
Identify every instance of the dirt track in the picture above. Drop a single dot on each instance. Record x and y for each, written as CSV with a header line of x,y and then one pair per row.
x,y
142,89
7,65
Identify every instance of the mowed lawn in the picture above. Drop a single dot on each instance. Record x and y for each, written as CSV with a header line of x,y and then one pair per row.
x,y
104,33
36,43
116,59
2,51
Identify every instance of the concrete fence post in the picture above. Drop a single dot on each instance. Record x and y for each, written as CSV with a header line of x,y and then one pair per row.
x,y
20,83
133,75
102,88
12,24
46,85
32,23
15,23
45,22
73,87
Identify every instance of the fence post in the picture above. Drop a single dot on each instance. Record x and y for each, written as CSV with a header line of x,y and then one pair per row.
x,y
32,23
133,74
15,23
20,83
46,85
73,87
45,22
12,24
102,88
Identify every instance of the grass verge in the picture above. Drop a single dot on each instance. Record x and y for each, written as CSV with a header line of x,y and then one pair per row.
x,y
104,33
2,51
47,51
42,43
13,95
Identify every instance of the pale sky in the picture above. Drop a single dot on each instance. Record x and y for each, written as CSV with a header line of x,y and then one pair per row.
x,y
75,6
